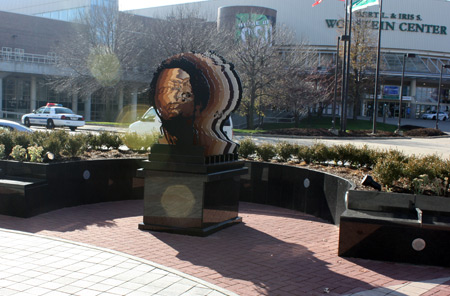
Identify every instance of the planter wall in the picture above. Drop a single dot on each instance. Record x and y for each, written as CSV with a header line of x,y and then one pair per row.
x,y
312,192
28,189
396,227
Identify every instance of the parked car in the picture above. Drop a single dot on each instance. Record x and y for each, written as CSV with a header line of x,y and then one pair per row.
x,y
53,115
150,122
432,115
13,126
228,128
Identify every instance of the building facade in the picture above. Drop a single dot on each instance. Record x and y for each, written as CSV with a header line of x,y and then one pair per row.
x,y
420,27
29,31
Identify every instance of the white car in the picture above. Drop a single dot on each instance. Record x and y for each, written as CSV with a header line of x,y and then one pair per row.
x,y
13,126
432,115
150,122
53,115
147,124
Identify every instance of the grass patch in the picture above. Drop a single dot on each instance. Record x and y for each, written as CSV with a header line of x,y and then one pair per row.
x,y
121,124
321,122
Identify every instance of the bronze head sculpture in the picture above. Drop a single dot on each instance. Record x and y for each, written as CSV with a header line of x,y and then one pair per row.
x,y
193,94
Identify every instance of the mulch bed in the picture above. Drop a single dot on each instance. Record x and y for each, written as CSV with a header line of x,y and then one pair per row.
x,y
409,131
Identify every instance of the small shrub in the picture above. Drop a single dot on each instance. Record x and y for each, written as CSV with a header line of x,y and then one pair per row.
x,y
285,150
417,166
304,153
320,153
389,168
439,186
109,140
55,142
75,145
39,138
6,138
18,153
2,151
21,138
345,154
247,147
266,151
93,141
35,153
367,157
138,142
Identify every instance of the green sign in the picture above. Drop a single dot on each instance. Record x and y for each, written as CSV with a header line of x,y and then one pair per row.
x,y
250,25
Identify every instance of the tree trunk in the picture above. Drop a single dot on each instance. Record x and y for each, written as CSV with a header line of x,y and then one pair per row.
x,y
296,120
251,109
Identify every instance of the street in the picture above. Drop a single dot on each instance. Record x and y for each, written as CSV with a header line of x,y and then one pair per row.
x,y
418,146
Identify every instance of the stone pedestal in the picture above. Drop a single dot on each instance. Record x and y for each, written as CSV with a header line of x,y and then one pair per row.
x,y
183,194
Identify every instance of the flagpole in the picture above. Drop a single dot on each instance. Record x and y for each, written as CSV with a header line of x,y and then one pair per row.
x,y
377,74
344,65
348,64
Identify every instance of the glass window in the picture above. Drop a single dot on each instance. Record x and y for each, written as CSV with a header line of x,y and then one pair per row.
x,y
54,15
63,111
64,15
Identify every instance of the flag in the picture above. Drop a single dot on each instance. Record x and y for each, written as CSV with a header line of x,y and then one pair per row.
x,y
361,4
318,2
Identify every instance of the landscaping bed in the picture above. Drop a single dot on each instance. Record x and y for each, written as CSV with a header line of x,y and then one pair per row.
x,y
409,131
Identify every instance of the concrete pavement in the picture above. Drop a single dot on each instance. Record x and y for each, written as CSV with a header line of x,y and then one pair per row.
x,y
37,265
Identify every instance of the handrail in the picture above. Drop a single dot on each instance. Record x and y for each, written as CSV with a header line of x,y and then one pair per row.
x,y
27,57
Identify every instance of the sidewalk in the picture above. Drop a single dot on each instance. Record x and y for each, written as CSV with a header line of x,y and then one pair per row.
x,y
273,252
37,265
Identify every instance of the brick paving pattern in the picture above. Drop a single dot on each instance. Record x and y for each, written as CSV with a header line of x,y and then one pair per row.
x,y
273,252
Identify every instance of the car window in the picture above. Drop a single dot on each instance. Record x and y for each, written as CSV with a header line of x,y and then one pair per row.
x,y
63,111
227,122
40,110
149,115
46,111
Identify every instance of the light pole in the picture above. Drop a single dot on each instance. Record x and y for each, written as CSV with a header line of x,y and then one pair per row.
x,y
336,83
345,39
406,55
439,94
377,71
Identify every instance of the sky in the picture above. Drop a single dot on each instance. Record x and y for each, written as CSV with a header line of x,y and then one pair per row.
x,y
136,4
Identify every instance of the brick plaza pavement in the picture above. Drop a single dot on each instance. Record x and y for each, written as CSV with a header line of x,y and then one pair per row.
x,y
273,252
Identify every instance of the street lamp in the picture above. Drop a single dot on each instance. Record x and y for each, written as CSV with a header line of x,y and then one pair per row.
x,y
406,55
345,39
439,94
336,83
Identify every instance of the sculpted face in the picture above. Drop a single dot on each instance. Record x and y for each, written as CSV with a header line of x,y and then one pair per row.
x,y
174,95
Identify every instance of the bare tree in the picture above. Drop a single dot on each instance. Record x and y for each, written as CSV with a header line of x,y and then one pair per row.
x,y
185,29
103,54
270,71
362,61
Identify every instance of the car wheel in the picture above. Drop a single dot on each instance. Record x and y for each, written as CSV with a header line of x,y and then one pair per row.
x,y
27,122
434,118
72,128
50,124
444,119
